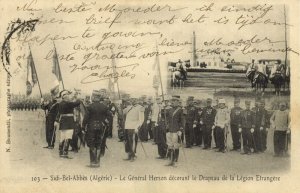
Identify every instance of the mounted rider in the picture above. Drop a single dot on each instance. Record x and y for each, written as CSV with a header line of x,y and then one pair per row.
x,y
260,69
182,69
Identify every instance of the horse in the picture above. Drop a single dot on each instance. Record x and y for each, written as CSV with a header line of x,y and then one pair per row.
x,y
279,77
258,80
278,81
177,79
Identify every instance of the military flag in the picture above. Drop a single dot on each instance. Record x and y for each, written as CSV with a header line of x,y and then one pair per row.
x,y
31,74
57,72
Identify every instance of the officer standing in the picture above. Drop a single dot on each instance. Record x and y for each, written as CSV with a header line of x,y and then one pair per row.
x,y
95,121
158,121
221,124
175,124
280,121
235,121
190,124
199,127
134,119
258,113
65,121
208,120
52,110
265,125
247,128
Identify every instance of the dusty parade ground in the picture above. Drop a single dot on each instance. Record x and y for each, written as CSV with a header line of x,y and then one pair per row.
x,y
28,156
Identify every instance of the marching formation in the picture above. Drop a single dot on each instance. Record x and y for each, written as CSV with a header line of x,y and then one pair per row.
x,y
169,121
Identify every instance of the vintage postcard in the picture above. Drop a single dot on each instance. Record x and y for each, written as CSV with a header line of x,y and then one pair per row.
x,y
149,96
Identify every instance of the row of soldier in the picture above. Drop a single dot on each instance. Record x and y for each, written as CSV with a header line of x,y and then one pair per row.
x,y
24,105
200,123
167,121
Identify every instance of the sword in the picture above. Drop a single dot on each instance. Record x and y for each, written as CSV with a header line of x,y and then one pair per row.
x,y
253,142
141,144
181,145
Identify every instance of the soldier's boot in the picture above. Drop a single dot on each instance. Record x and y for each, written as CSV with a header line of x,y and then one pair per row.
x,y
98,155
176,155
102,151
92,156
61,148
66,148
172,158
169,154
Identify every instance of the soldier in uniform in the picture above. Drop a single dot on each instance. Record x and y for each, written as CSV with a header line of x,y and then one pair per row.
x,y
235,121
190,123
208,120
221,124
175,125
65,121
134,119
158,121
95,121
199,125
143,132
280,121
247,128
258,114
51,109
265,125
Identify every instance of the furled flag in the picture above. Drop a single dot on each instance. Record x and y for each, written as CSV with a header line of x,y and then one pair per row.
x,y
55,67
31,74
56,71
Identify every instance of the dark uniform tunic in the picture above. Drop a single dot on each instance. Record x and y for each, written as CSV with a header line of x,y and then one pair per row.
x,y
199,127
161,133
52,110
235,122
265,123
208,120
247,122
96,127
190,121
65,114
257,133
143,132
175,119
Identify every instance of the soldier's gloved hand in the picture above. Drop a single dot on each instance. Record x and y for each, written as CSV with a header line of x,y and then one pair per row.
x,y
148,121
106,121
179,133
252,130
240,130
288,131
213,127
261,128
155,124
194,125
201,122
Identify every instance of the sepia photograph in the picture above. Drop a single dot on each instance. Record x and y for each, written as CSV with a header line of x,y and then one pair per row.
x,y
149,96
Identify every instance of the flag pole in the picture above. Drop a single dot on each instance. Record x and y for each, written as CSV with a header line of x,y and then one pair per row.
x,y
114,68
35,72
37,78
62,82
158,66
